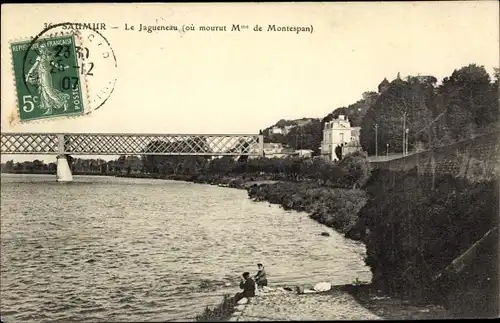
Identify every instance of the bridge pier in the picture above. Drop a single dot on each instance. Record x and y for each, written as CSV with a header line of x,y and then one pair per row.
x,y
63,171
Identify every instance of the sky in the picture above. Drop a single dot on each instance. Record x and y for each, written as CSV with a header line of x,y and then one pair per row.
x,y
240,82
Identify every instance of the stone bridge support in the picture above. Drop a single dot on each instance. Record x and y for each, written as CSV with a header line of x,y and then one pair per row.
x,y
63,170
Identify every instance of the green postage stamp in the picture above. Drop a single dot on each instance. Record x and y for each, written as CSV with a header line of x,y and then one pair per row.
x,y
47,78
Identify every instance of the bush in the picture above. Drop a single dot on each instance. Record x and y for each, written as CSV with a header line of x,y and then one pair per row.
x,y
220,313
416,232
334,207
356,169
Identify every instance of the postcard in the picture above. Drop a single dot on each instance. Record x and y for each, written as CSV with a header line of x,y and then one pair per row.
x,y
249,161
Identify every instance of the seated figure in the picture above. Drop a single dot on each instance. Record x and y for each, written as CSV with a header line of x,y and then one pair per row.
x,y
248,286
261,277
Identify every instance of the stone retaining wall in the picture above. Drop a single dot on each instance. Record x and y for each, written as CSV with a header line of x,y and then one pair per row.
x,y
476,159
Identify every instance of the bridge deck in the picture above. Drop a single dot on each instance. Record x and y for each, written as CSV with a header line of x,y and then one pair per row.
x,y
131,144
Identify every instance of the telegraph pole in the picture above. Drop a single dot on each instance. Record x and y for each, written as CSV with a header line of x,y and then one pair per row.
x,y
404,134
387,153
376,140
406,151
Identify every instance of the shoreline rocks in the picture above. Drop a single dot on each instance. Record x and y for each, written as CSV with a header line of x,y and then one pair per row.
x,y
322,287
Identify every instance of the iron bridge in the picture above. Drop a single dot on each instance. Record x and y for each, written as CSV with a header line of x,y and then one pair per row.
x,y
132,144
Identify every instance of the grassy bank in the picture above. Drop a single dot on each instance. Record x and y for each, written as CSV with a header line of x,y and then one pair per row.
x,y
232,181
334,207
414,232
219,313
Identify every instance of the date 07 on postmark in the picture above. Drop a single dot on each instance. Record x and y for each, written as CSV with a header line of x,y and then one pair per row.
x,y
47,78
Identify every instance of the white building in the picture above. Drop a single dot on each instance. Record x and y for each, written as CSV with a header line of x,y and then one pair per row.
x,y
276,130
273,150
287,129
339,132
304,152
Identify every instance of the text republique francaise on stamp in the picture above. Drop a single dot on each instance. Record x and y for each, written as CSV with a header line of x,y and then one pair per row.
x,y
47,78
61,73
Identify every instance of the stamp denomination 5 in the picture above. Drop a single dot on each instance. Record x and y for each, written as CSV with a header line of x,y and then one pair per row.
x,y
47,78
62,73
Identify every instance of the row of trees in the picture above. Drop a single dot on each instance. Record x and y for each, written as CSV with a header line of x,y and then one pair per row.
x,y
355,112
464,104
78,166
354,169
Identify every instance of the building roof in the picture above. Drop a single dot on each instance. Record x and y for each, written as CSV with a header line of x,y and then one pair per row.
x,y
383,84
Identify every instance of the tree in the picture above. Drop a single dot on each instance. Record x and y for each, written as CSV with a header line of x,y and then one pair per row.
x,y
38,165
356,111
325,171
468,102
152,163
308,136
356,169
175,164
8,166
121,162
52,167
412,99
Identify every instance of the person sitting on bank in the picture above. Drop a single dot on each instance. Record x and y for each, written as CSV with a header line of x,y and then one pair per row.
x,y
261,277
248,286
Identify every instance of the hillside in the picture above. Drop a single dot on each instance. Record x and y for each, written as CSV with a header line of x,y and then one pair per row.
x,y
288,123
464,105
307,133
355,112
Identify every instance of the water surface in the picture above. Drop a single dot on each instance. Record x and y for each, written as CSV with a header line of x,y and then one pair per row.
x,y
117,249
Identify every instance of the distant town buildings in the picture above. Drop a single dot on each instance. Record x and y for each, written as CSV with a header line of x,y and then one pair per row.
x,y
281,130
426,79
287,129
278,150
283,127
273,150
339,133
384,85
276,130
306,153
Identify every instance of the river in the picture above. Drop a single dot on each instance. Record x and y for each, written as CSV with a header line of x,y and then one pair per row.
x,y
120,249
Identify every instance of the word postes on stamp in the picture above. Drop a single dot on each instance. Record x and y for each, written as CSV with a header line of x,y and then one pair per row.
x,y
47,78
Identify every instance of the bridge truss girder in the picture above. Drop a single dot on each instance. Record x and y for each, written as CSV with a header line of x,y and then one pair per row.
x,y
132,144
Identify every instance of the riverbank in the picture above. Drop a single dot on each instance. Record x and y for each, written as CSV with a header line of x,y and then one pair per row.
x,y
428,239
231,181
406,275
345,302
334,207
173,232
454,209
338,209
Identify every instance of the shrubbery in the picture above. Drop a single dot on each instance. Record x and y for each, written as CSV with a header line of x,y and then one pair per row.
x,y
220,313
416,232
351,171
334,207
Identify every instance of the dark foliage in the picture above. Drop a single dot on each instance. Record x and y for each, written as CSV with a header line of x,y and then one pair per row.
x,y
334,207
416,232
220,313
465,104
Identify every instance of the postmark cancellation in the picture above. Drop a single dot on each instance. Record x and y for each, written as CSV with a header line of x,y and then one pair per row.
x,y
48,77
